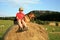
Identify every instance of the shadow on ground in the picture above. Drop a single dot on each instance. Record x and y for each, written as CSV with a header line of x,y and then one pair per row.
x,y
0,38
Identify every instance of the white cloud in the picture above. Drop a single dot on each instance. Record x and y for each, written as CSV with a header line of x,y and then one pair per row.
x,y
2,14
18,3
22,1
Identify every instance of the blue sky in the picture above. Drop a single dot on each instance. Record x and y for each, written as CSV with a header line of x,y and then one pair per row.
x,y
10,7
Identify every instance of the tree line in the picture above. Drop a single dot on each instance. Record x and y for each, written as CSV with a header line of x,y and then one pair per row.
x,y
40,15
7,18
46,15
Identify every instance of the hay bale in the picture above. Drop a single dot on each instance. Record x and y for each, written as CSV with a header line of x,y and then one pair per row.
x,y
35,32
26,18
58,23
52,24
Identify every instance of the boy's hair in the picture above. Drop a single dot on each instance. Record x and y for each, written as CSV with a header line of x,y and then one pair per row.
x,y
20,9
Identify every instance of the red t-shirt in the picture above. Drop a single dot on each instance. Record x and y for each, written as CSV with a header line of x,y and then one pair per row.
x,y
20,15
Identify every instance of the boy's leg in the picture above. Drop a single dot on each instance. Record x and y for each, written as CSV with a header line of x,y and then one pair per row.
x,y
20,24
24,24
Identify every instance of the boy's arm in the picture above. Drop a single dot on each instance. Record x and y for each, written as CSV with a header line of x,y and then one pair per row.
x,y
17,17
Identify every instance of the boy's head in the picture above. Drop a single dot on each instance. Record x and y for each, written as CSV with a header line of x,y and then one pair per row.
x,y
20,9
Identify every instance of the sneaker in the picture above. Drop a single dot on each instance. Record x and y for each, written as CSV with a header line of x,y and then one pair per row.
x,y
25,28
21,29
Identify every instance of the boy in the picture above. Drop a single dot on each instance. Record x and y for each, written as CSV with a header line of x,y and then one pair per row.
x,y
20,18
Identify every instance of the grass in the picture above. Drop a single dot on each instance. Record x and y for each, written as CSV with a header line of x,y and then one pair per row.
x,y
52,28
5,24
53,32
54,36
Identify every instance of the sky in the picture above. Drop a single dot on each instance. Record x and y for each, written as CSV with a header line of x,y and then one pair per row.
x,y
10,7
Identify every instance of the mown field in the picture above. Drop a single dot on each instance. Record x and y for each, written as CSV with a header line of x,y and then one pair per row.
x,y
53,31
4,25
